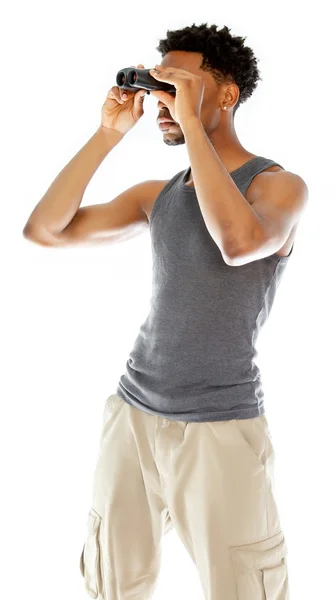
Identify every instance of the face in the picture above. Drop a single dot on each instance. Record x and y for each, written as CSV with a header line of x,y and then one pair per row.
x,y
210,109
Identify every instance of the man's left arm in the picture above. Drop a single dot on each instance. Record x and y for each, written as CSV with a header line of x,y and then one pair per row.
x,y
242,232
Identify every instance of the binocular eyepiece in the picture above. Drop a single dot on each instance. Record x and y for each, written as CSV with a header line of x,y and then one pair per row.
x,y
134,79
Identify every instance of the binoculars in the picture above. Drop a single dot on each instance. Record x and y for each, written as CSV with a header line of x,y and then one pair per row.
x,y
133,79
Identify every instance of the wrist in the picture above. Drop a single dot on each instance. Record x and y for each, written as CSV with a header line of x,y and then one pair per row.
x,y
110,137
191,124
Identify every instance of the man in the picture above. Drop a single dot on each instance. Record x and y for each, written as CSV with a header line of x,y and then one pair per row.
x,y
185,440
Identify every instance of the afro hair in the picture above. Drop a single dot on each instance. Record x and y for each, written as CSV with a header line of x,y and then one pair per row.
x,y
224,55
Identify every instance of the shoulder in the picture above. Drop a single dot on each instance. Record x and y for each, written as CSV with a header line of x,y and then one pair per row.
x,y
279,196
278,181
276,175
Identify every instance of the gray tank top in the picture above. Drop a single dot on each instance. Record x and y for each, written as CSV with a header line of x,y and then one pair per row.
x,y
194,356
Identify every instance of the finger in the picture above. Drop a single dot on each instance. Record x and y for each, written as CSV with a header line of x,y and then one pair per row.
x,y
123,94
170,73
171,69
165,97
154,74
160,75
140,96
118,94
114,94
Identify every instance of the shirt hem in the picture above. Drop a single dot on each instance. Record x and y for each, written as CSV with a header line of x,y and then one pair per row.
x,y
227,415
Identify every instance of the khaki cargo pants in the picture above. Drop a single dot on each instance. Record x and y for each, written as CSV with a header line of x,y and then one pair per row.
x,y
213,482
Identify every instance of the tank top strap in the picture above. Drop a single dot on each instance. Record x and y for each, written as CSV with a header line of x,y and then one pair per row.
x,y
244,176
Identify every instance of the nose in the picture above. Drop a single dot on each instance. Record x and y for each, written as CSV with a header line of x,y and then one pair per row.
x,y
161,104
163,110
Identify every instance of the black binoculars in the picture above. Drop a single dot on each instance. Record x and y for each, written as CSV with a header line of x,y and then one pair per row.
x,y
134,79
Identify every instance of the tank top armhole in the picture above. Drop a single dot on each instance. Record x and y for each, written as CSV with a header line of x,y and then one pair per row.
x,y
164,190
281,258
276,257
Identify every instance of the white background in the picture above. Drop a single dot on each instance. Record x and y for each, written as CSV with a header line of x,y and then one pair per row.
x,y
70,316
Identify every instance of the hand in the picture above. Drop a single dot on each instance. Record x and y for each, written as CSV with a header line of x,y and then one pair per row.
x,y
122,113
187,103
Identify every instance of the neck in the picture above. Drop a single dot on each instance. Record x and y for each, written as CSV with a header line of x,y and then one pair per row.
x,y
228,147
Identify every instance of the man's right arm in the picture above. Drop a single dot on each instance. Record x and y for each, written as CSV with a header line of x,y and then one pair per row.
x,y
58,219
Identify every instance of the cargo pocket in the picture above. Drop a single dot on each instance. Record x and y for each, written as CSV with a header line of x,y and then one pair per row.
x,y
261,569
90,560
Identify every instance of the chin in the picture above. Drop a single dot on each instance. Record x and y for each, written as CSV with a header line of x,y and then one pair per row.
x,y
174,139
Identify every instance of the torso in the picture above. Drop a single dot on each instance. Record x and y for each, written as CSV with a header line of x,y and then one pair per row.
x,y
250,197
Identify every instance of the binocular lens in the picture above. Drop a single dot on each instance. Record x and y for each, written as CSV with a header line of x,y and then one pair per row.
x,y
133,79
133,76
121,78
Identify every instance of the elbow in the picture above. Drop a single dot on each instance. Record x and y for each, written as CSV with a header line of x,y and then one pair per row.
x,y
239,252
27,231
231,254
30,233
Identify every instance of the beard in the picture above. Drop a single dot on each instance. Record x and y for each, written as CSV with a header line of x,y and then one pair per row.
x,y
175,139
